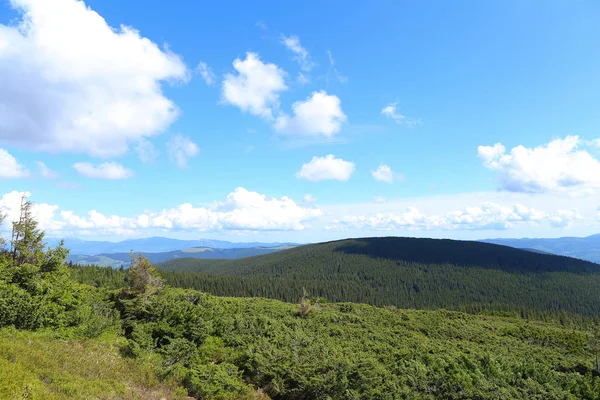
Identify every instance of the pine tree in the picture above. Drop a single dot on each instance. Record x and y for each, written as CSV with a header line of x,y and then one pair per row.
x,y
27,244
144,279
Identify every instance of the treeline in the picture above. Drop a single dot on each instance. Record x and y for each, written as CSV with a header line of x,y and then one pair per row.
x,y
553,295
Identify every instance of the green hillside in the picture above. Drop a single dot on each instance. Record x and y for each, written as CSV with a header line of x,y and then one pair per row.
x,y
404,272
135,337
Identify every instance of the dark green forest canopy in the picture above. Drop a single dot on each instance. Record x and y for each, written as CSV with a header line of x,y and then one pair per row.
x,y
407,273
416,250
403,272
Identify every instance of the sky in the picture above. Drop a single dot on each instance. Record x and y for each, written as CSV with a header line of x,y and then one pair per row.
x,y
301,121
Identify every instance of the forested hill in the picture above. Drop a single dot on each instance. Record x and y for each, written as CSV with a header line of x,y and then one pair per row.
x,y
404,272
402,249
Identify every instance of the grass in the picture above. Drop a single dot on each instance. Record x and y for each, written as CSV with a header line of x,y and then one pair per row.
x,y
37,365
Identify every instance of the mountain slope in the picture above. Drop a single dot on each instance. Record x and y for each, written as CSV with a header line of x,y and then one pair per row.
x,y
405,272
586,248
415,250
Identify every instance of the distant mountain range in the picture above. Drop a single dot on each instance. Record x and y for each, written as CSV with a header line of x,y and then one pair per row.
x,y
117,260
152,245
585,248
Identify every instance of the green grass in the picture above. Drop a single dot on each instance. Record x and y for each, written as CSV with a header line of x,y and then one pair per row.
x,y
37,365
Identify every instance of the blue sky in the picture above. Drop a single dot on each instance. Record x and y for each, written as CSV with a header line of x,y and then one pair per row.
x,y
302,121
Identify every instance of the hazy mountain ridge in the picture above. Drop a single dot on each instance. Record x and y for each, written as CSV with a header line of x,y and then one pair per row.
x,y
116,260
585,248
153,245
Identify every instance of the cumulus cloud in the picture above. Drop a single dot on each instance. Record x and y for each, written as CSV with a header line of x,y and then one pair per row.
x,y
326,168
557,166
70,82
319,115
10,168
181,149
206,73
10,206
487,216
242,210
107,170
391,111
385,174
255,87
46,172
301,55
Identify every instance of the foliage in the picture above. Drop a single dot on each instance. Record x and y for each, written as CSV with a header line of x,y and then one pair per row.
x,y
144,280
360,351
27,243
142,338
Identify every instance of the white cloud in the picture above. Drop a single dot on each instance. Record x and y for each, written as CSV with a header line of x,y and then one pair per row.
x,y
242,210
379,199
256,89
326,168
385,174
256,86
46,172
563,218
107,170
487,216
10,206
146,151
301,55
391,111
206,73
246,211
181,149
320,115
556,166
309,198
70,82
10,168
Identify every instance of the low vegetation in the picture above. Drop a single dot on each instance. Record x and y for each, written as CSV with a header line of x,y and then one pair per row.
x,y
139,337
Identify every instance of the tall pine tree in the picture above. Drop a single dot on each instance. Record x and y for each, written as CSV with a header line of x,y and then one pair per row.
x,y
27,243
